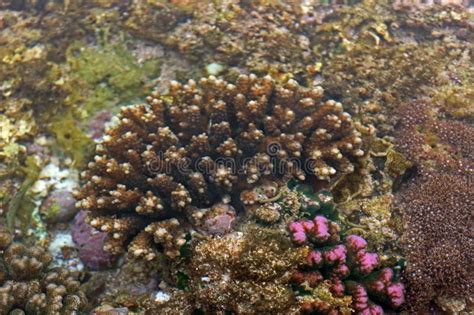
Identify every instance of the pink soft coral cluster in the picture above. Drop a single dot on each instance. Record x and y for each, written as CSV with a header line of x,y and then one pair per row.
x,y
349,267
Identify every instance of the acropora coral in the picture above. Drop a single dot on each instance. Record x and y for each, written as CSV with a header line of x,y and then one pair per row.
x,y
29,286
204,141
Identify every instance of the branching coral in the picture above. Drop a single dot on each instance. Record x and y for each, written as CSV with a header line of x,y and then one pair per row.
x,y
354,276
203,141
27,285
349,269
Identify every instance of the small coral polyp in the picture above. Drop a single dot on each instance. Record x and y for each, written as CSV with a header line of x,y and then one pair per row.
x,y
201,142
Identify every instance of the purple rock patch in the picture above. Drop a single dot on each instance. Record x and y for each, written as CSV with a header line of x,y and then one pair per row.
x,y
90,244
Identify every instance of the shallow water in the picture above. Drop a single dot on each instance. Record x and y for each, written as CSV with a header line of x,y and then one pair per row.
x,y
235,157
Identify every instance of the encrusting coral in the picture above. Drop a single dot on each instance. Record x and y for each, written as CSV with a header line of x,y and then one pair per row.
x,y
242,273
202,142
28,286
438,239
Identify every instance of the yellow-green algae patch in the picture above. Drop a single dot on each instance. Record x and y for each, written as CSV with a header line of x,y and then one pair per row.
x,y
97,78
100,77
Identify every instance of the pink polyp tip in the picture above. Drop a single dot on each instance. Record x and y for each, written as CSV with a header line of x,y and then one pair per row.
x,y
296,226
336,254
377,286
337,288
341,271
314,258
360,298
396,293
367,261
386,275
299,237
373,310
319,219
321,228
355,243
308,225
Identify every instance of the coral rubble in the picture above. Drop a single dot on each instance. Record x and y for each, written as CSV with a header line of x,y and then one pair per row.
x,y
202,141
28,286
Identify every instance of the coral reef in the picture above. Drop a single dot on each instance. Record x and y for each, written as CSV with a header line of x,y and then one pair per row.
x,y
434,144
372,57
202,141
375,219
242,273
436,205
28,286
346,271
161,184
261,38
258,270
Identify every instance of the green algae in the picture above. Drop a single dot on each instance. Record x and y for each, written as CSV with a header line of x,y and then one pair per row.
x,y
97,78
21,205
72,139
102,77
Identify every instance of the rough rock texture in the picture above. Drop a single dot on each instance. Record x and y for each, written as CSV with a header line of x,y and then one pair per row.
x,y
242,273
90,243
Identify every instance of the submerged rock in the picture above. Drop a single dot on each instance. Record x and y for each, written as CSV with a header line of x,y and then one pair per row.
x,y
90,244
59,207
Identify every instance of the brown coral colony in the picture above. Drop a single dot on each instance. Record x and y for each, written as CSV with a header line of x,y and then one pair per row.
x,y
204,141
29,286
